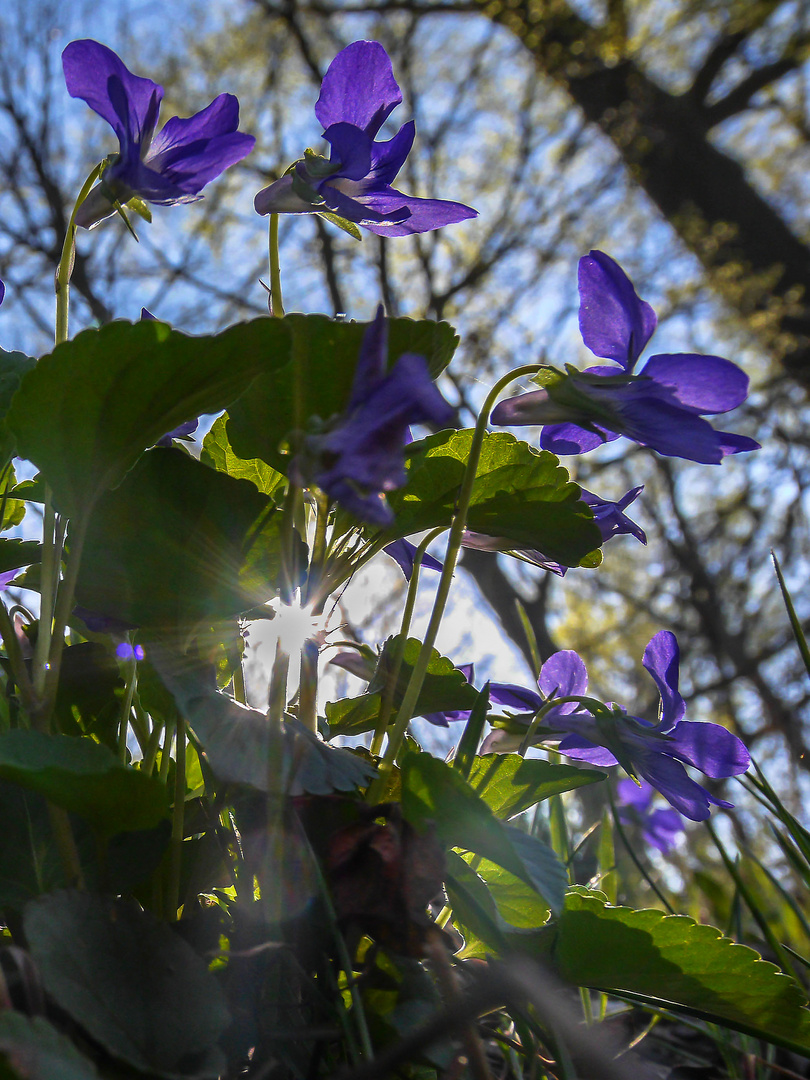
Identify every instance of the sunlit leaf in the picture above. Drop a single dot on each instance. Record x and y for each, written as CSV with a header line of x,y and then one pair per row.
x,y
510,784
89,408
672,961
178,543
520,493
432,791
444,689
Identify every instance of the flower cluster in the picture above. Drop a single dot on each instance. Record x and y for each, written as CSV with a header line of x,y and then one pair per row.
x,y
661,407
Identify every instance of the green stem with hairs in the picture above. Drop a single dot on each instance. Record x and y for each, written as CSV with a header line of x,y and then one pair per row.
x,y
453,547
276,300
399,652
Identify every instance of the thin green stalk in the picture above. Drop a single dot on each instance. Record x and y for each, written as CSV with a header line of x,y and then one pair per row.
x,y
67,259
396,661
759,917
344,959
64,606
51,550
239,692
289,562
276,301
165,754
152,747
66,846
308,686
126,708
178,822
49,576
139,721
316,597
314,592
278,684
442,593
617,825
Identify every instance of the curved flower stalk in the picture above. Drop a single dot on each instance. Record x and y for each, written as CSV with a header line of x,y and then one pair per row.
x,y
656,752
661,407
358,94
363,455
172,166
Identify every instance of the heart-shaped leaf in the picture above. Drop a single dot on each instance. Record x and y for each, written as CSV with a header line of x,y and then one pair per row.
x,y
317,382
520,494
178,543
87,410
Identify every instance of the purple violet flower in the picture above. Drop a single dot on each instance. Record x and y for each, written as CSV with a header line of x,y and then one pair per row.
x,y
403,552
655,752
609,518
659,827
362,456
2,291
661,407
358,94
172,166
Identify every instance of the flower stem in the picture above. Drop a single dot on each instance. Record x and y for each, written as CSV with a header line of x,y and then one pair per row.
x,y
68,257
178,821
453,547
51,544
399,652
276,300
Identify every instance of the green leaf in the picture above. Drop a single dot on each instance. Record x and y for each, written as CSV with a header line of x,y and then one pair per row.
x,y
671,961
217,452
434,792
479,917
83,777
178,543
237,740
510,784
15,553
795,624
88,700
131,982
13,366
464,757
34,1050
444,689
85,413
317,381
520,493
29,859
